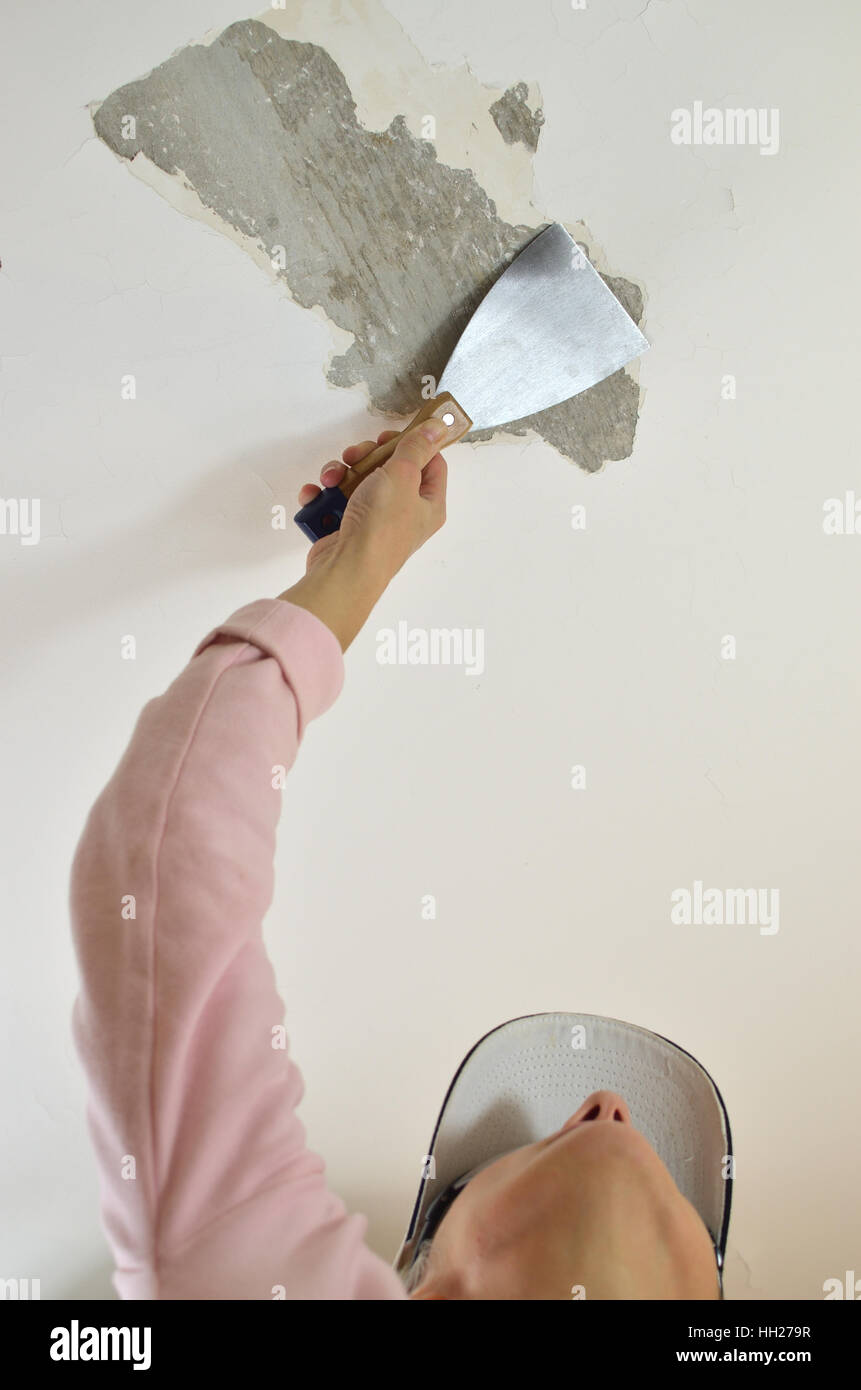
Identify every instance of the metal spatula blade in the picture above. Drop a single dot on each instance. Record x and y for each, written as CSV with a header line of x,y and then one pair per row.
x,y
548,329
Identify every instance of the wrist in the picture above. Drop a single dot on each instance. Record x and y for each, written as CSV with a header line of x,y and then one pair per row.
x,y
341,591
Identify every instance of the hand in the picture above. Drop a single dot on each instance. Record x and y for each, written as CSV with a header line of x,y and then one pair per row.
x,y
395,509
389,516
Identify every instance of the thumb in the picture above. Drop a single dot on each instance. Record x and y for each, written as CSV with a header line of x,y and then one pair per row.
x,y
415,449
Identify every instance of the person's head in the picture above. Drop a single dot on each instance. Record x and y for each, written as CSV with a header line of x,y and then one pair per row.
x,y
590,1211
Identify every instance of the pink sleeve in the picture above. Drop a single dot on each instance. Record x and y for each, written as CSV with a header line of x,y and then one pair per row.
x,y
208,1188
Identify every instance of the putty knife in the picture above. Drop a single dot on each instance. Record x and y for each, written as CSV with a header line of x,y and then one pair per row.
x,y
548,329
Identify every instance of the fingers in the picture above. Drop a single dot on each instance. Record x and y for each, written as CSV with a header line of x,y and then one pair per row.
x,y
332,474
355,452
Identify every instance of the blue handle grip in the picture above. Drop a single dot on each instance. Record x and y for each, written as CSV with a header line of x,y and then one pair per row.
x,y
322,517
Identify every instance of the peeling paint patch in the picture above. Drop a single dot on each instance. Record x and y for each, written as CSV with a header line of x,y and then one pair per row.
x,y
514,120
395,246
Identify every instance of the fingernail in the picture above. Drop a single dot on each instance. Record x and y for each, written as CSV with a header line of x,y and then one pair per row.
x,y
434,430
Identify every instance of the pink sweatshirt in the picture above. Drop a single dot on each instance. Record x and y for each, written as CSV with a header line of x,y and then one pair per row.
x,y
208,1189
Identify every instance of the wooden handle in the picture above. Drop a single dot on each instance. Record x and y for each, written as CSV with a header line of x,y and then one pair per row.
x,y
443,407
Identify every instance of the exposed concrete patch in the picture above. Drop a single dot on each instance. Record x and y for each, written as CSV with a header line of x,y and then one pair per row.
x,y
514,120
598,424
261,135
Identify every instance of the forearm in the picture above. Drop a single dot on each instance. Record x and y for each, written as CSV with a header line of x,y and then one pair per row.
x,y
341,590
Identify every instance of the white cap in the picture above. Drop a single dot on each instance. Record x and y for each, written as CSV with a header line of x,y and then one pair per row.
x,y
523,1080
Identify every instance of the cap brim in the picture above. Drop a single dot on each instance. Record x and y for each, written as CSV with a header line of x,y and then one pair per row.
x,y
523,1080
